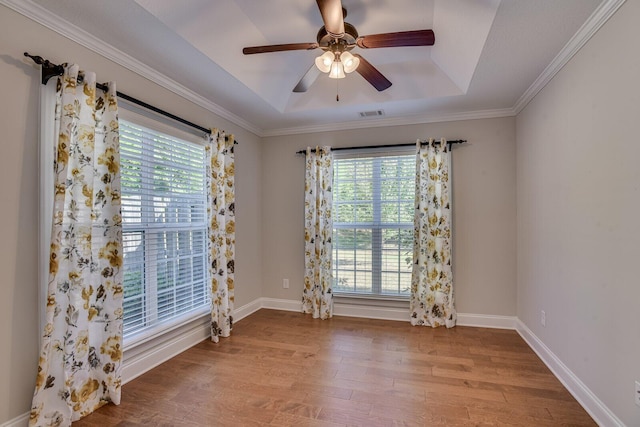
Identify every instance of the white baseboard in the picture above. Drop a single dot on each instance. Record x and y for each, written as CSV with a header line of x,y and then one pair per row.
x,y
390,313
486,321
589,401
246,310
341,309
281,304
19,421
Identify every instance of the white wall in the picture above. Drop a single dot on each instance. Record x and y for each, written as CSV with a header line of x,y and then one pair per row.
x,y
484,207
19,87
578,204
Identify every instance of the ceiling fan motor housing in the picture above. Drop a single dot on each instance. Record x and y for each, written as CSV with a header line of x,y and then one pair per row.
x,y
346,43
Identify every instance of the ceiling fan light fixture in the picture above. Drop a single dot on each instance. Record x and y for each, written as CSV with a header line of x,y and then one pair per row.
x,y
324,61
337,70
349,62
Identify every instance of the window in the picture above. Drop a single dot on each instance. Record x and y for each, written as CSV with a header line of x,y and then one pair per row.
x,y
373,224
164,229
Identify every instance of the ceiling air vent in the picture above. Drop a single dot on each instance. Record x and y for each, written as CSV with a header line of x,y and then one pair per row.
x,y
372,113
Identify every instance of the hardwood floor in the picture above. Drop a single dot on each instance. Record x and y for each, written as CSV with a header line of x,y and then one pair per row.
x,y
287,369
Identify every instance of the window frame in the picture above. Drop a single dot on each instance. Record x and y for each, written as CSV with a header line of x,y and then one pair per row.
x,y
130,113
374,152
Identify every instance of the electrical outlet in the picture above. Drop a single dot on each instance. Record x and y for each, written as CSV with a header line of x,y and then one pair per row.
x,y
638,393
543,318
285,283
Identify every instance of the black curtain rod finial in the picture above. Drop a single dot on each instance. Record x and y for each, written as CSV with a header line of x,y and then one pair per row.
x,y
49,69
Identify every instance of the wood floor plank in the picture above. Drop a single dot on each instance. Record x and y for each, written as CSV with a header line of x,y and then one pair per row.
x,y
314,387
287,369
477,406
352,418
290,420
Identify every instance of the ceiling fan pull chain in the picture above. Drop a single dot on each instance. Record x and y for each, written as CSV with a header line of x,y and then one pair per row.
x,y
337,93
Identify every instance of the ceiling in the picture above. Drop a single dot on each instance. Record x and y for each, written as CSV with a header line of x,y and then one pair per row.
x,y
487,57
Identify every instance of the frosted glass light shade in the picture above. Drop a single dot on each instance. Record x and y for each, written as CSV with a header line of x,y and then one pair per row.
x,y
324,61
337,70
349,62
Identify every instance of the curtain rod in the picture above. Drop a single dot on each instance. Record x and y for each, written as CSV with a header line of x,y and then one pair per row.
x,y
313,150
50,69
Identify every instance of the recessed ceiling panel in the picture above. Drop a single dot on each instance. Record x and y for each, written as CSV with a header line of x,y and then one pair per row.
x,y
221,29
462,27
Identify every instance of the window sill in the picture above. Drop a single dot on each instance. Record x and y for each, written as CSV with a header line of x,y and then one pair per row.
x,y
155,333
375,297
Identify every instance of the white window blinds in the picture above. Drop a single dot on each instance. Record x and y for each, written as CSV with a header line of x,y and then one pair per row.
x,y
164,228
373,201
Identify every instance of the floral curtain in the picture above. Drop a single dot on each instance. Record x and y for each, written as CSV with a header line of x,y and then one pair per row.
x,y
81,353
317,297
431,301
219,150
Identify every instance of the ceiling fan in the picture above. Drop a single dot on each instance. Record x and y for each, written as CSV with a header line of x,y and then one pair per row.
x,y
337,38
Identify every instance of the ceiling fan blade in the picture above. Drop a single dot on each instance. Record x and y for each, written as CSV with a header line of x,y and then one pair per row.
x,y
331,11
372,75
402,38
307,80
279,48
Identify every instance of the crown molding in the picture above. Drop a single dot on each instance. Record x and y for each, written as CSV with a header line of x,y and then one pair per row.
x,y
44,17
579,39
395,121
